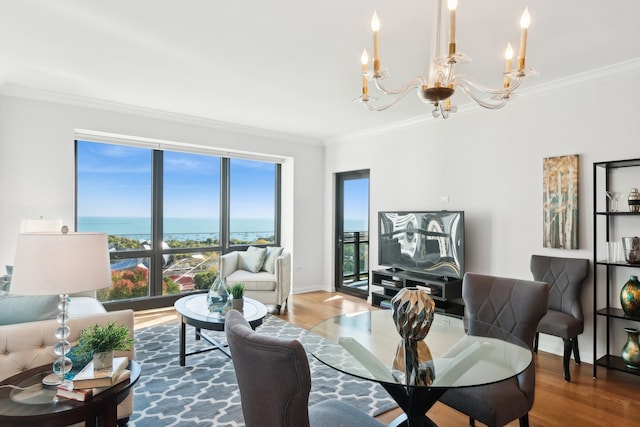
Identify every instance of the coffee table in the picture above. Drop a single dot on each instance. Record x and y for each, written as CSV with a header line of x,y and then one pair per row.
x,y
193,311
40,406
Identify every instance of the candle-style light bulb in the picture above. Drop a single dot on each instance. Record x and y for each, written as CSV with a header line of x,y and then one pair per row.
x,y
375,26
364,59
508,56
525,20
452,4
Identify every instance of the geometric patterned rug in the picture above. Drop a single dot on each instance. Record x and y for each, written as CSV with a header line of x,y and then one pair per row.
x,y
205,392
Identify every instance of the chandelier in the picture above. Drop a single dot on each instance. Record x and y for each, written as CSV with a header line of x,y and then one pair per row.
x,y
442,79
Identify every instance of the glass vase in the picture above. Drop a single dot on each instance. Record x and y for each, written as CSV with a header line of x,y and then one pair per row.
x,y
218,296
631,350
630,297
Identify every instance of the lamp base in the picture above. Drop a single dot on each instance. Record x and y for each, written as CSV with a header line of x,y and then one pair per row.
x,y
52,380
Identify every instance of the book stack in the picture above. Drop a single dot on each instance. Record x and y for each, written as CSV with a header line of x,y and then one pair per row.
x,y
89,382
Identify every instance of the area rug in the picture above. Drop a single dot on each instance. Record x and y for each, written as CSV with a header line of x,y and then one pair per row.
x,y
205,392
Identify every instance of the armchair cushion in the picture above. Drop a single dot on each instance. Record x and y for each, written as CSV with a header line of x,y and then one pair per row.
x,y
273,252
252,259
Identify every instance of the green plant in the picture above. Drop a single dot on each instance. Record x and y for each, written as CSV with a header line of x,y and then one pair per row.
x,y
98,339
237,290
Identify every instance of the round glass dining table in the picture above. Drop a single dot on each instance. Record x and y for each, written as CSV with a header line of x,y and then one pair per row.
x,y
458,353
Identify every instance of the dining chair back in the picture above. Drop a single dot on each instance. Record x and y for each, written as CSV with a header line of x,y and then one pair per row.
x,y
564,317
275,381
515,306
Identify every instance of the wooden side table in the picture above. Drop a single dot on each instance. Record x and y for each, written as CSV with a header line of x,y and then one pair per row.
x,y
40,406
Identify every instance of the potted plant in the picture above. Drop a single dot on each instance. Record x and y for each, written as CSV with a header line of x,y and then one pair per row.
x,y
237,292
102,341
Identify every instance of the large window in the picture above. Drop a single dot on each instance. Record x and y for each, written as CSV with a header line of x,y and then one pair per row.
x,y
169,215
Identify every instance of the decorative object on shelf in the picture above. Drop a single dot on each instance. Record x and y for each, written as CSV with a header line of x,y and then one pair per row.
x,y
218,296
630,297
443,80
102,341
237,292
61,264
613,197
413,312
631,350
560,202
613,252
631,247
634,200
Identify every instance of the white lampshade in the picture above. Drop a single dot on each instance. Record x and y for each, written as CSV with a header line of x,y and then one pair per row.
x,y
57,263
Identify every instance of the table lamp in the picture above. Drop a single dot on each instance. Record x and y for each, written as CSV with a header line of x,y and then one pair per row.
x,y
60,264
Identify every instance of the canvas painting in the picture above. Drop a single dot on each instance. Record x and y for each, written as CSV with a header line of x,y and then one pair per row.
x,y
560,201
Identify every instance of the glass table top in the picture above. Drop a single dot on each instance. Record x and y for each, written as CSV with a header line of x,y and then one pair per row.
x,y
366,344
195,306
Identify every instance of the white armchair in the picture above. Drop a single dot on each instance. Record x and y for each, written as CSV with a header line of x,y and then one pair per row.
x,y
269,282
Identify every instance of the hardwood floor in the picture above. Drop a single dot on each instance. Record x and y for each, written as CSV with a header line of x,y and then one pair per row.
x,y
609,400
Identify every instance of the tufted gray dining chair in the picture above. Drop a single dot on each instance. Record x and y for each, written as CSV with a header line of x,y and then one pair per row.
x,y
564,317
275,381
515,306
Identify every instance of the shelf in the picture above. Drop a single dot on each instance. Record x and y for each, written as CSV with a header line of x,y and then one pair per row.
x,y
606,225
618,264
618,213
618,163
616,363
617,313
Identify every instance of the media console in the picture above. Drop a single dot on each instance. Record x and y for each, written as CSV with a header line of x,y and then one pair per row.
x,y
445,291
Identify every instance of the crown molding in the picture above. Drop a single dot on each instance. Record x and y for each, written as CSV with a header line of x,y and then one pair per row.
x,y
610,72
18,91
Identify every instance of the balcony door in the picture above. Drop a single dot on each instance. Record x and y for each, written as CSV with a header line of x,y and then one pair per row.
x,y
352,233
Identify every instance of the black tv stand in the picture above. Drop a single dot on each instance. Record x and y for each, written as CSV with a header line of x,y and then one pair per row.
x,y
445,291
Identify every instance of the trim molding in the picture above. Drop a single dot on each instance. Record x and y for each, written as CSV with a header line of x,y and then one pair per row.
x,y
17,91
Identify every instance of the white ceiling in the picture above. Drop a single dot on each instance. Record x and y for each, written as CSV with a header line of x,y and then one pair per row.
x,y
288,65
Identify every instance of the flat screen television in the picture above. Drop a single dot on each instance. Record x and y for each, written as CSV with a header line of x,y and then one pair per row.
x,y
427,242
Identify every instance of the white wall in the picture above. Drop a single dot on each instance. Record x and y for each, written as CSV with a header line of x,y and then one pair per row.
x,y
489,163
37,168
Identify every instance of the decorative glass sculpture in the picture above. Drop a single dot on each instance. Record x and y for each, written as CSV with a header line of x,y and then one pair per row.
x,y
413,310
218,296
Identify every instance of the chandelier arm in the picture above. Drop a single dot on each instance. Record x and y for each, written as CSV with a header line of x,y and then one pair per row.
x,y
469,82
417,82
371,107
483,102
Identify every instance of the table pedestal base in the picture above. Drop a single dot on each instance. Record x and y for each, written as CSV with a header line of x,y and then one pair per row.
x,y
415,402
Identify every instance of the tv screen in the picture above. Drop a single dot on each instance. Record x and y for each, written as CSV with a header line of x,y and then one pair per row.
x,y
423,242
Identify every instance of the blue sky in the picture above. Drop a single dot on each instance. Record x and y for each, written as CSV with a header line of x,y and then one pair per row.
x,y
115,180
356,199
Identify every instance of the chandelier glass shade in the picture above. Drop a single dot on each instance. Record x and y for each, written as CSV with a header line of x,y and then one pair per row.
x,y
443,80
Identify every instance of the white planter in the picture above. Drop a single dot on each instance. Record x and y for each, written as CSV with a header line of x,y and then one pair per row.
x,y
103,361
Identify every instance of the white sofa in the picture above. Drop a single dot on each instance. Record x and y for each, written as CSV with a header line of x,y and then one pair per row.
x,y
270,286
30,344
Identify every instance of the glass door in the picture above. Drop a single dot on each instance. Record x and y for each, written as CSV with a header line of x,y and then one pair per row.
x,y
352,233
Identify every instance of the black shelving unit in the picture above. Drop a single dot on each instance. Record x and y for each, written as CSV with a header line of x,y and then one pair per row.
x,y
606,308
446,292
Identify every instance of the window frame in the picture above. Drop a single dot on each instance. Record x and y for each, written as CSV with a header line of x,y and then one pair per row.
x,y
155,254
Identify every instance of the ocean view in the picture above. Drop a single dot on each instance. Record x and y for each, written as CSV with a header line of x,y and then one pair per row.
x,y
247,229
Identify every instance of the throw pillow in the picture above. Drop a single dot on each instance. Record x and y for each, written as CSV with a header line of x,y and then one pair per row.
x,y
273,252
23,309
253,259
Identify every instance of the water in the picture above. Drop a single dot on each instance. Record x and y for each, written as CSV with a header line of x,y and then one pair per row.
x,y
199,229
